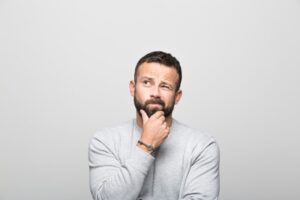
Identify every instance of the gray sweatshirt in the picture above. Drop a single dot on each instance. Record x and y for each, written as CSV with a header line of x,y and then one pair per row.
x,y
185,167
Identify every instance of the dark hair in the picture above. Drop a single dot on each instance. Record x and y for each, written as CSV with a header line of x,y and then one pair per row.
x,y
161,58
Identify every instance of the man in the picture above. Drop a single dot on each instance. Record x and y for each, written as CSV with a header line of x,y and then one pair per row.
x,y
154,157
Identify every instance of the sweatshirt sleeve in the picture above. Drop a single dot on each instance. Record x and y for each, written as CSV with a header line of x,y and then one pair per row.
x,y
203,181
112,179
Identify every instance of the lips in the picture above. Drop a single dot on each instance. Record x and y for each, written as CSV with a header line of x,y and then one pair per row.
x,y
155,102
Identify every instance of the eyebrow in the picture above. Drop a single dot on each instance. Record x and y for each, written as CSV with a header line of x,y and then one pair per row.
x,y
168,83
147,77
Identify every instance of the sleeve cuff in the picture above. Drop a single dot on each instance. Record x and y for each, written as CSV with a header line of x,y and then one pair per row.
x,y
141,160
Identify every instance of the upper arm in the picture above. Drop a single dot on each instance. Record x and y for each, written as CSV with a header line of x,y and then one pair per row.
x,y
102,163
203,181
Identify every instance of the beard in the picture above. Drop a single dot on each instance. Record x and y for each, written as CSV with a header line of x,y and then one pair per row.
x,y
150,111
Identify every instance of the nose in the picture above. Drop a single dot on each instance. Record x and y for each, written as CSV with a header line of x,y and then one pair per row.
x,y
155,91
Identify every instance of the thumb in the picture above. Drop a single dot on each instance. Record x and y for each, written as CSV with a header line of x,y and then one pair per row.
x,y
144,116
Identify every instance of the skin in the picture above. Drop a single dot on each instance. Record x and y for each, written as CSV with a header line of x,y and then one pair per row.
x,y
155,80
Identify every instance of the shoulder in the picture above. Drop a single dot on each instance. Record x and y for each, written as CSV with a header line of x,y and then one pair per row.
x,y
113,130
191,132
112,134
194,137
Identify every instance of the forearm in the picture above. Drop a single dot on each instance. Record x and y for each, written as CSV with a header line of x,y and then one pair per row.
x,y
125,184
112,180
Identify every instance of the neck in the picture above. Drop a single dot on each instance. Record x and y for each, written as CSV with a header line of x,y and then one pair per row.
x,y
140,120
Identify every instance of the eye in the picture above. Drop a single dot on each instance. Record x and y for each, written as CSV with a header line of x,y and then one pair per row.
x,y
146,82
166,87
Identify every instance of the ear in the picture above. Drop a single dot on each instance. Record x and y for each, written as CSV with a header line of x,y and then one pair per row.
x,y
178,96
131,87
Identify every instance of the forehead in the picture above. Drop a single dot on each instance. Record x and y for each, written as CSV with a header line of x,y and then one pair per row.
x,y
157,71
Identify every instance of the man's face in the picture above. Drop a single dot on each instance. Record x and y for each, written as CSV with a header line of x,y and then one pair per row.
x,y
155,89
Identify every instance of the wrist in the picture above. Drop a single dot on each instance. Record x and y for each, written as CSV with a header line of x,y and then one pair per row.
x,y
149,148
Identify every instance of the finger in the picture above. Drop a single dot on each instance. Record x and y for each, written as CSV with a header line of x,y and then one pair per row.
x,y
162,119
158,114
167,130
144,116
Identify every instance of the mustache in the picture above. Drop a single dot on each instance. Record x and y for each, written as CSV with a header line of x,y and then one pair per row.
x,y
155,101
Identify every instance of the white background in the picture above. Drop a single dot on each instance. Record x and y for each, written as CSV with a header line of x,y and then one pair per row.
x,y
65,66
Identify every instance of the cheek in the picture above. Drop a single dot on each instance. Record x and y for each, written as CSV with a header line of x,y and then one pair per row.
x,y
169,99
141,94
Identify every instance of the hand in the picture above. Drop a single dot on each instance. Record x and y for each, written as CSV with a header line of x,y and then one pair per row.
x,y
155,128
